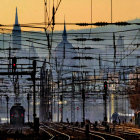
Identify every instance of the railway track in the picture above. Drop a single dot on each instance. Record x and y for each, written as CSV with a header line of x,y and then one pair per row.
x,y
74,133
107,136
90,135
53,133
45,131
129,135
80,133
98,135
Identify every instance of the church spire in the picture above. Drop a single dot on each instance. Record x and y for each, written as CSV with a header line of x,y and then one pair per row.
x,y
16,17
64,32
16,33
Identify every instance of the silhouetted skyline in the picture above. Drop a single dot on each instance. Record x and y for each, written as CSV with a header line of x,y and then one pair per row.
x,y
74,11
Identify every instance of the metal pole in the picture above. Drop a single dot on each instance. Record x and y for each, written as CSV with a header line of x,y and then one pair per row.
x,y
83,97
7,111
111,11
58,101
91,13
105,106
52,101
73,100
28,105
7,99
34,97
83,110
114,52
28,111
62,102
34,102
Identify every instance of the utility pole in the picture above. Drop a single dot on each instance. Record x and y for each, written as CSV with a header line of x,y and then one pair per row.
x,y
111,11
94,79
72,100
7,100
105,101
51,117
9,66
34,96
61,99
114,52
47,94
28,99
83,97
58,98
58,86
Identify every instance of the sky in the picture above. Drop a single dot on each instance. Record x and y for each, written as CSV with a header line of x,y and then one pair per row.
x,y
32,11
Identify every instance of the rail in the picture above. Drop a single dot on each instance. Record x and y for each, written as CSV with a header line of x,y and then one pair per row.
x,y
57,132
96,137
102,135
52,136
108,136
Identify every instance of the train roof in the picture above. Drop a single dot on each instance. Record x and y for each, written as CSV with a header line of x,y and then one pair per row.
x,y
17,106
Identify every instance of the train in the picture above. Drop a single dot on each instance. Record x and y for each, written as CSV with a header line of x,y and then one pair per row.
x,y
17,115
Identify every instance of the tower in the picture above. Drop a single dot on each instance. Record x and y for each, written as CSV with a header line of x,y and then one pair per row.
x,y
65,72
64,35
16,34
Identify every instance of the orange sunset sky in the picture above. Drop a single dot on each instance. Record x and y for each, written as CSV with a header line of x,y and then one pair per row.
x,y
32,11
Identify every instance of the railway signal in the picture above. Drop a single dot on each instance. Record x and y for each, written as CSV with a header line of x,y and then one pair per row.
x,y
105,85
14,64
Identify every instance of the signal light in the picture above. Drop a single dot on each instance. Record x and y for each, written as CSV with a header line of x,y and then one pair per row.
x,y
77,108
14,61
105,85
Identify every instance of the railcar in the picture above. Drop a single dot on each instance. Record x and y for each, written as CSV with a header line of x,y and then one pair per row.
x,y
17,113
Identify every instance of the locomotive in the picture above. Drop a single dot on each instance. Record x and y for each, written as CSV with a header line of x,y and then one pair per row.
x,y
17,113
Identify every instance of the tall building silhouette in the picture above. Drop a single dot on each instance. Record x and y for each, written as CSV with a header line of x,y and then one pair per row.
x,y
64,54
16,34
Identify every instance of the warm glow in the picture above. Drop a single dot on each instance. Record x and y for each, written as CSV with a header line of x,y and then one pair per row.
x,y
32,11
